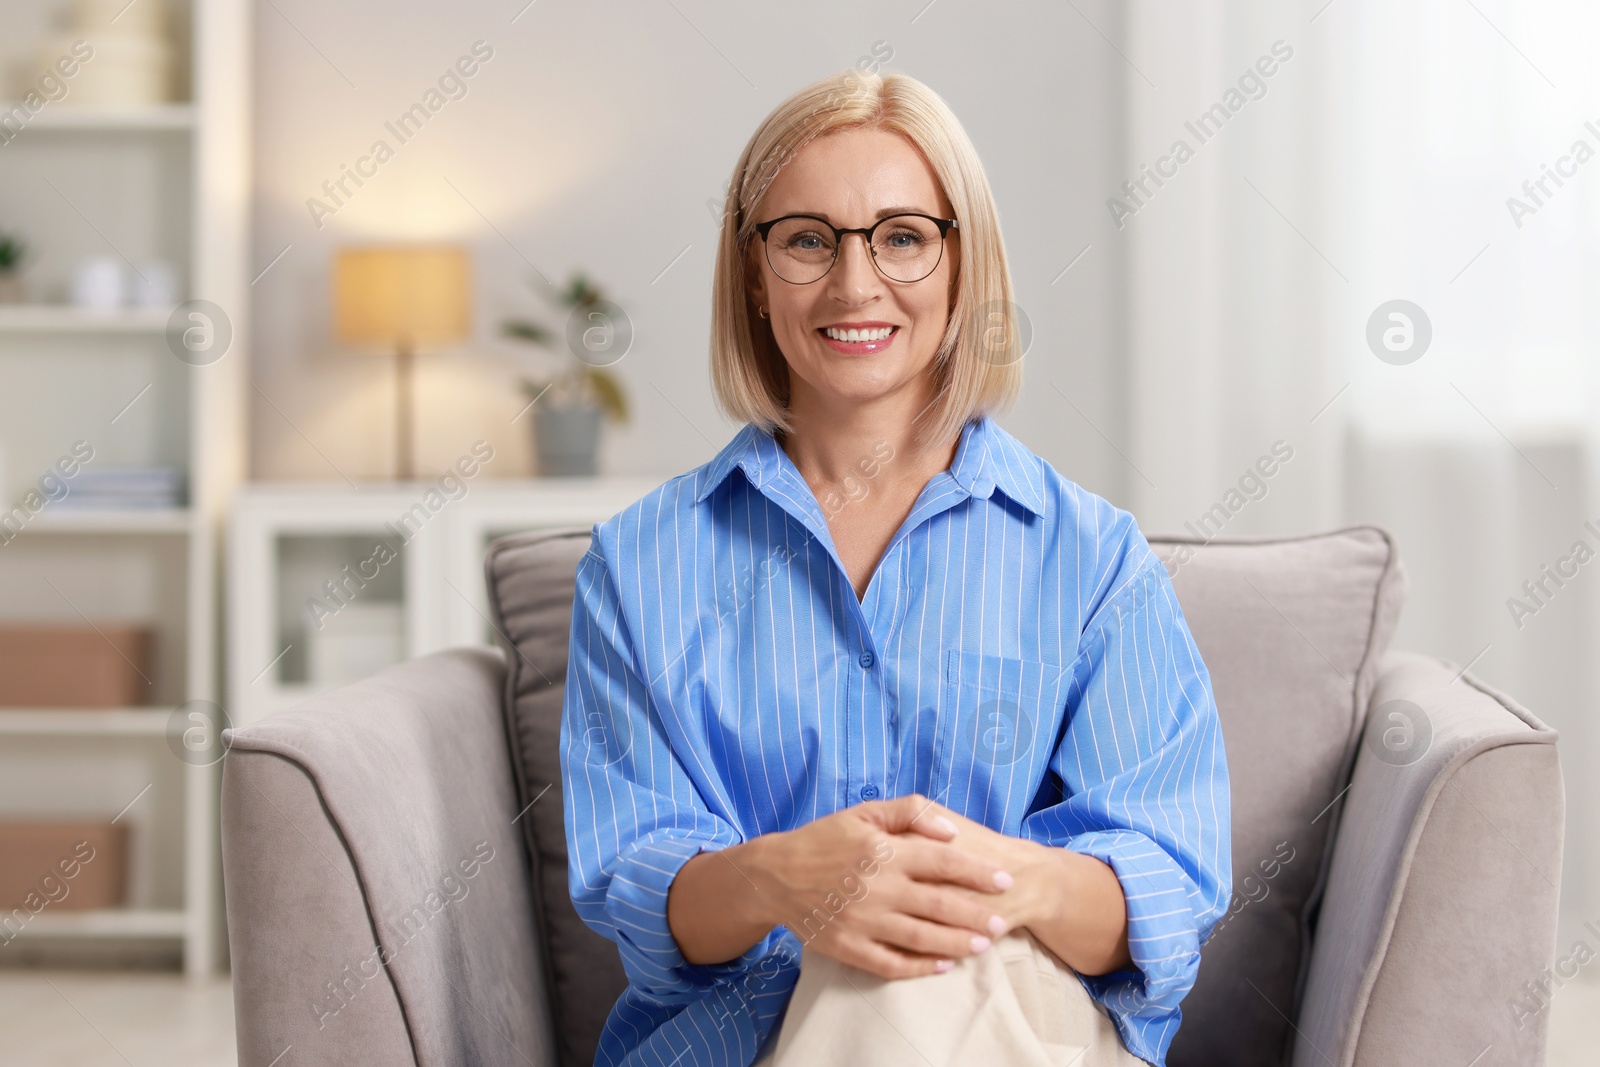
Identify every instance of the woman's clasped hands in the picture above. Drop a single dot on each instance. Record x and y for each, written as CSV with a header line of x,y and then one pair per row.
x,y
898,888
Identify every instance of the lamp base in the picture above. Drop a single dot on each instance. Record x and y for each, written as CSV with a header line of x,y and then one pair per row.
x,y
404,458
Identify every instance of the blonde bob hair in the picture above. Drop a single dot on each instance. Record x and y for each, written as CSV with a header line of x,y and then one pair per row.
x,y
977,368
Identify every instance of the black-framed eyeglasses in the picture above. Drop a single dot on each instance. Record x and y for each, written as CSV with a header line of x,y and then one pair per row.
x,y
801,249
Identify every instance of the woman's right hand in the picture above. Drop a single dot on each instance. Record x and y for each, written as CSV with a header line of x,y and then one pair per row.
x,y
873,885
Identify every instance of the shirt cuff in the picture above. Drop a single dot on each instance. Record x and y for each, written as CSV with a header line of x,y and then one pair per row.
x,y
1163,937
636,904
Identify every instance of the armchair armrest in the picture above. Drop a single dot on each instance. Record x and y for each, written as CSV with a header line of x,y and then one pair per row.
x,y
377,886
1442,892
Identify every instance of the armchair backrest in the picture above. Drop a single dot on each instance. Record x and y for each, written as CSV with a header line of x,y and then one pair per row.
x,y
1292,631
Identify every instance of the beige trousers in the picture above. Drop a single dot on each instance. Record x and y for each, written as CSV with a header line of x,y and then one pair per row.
x,y
1016,1004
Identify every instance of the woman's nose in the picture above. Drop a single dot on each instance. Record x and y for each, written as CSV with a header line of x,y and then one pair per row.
x,y
854,268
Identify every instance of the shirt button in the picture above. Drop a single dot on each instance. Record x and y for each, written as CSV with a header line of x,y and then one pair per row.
x,y
867,659
868,792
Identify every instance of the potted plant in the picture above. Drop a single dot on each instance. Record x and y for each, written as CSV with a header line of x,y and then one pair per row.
x,y
12,251
570,403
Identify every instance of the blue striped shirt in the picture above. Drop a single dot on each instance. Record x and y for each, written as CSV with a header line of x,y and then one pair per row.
x,y
1019,656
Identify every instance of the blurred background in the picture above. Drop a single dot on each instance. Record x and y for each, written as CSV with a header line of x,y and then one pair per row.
x,y
1361,233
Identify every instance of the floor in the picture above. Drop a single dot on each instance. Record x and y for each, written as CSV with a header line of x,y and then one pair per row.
x,y
1575,1024
125,1019
122,1018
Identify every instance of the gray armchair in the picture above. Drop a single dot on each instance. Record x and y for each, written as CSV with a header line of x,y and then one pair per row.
x,y
395,863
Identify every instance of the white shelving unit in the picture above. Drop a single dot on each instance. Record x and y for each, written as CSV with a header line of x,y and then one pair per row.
x,y
96,722
153,117
168,181
178,521
285,540
62,319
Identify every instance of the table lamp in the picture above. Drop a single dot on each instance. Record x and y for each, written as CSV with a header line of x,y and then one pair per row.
x,y
402,299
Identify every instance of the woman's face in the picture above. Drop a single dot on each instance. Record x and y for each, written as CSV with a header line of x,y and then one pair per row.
x,y
850,178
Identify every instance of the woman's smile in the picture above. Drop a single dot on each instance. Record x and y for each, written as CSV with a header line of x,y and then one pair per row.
x,y
858,338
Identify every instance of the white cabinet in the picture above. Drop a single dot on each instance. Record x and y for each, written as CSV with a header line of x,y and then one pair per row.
x,y
326,583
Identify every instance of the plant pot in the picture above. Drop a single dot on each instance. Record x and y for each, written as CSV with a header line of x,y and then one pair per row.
x,y
567,441
11,288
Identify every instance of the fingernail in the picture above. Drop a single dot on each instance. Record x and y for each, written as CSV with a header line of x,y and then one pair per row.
x,y
1002,880
946,824
997,925
979,943
943,966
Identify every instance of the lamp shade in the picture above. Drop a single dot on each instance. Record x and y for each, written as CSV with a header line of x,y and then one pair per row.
x,y
412,297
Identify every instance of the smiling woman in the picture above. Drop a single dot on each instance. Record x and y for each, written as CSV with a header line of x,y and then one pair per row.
x,y
974,680
834,122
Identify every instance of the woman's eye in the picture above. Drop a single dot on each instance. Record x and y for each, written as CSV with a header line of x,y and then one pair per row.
x,y
904,239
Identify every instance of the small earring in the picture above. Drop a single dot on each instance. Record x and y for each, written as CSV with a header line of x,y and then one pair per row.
x,y
762,310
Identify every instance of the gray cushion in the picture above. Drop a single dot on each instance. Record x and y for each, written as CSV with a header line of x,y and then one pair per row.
x,y
532,578
1292,631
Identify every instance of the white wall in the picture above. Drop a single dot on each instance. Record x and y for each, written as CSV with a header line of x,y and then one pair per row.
x,y
593,139
1376,167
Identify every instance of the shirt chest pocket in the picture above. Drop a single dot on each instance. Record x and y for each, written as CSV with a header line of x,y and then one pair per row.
x,y
999,719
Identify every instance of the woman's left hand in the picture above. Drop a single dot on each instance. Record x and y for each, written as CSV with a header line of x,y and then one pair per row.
x,y
1041,874
1072,902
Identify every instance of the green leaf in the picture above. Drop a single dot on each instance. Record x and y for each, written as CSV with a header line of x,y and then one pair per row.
x,y
581,292
610,394
12,249
531,332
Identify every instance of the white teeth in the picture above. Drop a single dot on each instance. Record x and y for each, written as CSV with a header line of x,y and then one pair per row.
x,y
875,334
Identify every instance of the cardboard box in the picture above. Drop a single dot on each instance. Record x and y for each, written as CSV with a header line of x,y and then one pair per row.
x,y
49,867
61,665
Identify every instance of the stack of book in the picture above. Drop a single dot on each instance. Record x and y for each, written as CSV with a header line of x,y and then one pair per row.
x,y
98,488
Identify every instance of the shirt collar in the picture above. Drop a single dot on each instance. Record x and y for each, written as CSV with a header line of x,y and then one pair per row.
x,y
752,449
987,458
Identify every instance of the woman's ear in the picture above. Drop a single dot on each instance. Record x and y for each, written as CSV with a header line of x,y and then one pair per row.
x,y
755,283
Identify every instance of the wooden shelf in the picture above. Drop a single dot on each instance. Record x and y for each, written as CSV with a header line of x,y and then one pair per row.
x,y
67,116
92,722
107,922
64,318
82,520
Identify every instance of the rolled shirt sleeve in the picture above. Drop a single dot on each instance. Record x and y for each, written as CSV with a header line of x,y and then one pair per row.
x,y
634,817
1145,790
